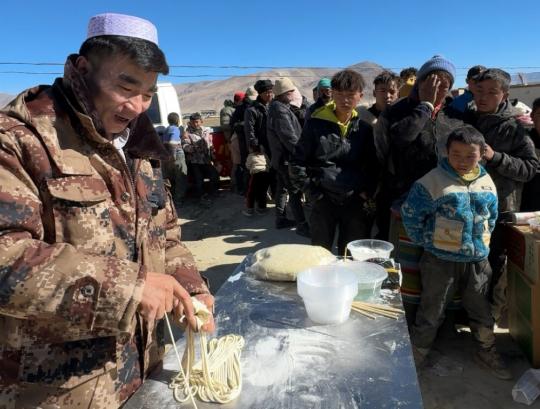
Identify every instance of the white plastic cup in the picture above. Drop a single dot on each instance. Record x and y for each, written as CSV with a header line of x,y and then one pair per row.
x,y
327,292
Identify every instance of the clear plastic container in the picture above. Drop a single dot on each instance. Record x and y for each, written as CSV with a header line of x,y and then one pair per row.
x,y
362,250
370,278
527,388
328,292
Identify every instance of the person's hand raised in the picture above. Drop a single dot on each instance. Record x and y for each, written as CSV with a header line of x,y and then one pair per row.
x,y
488,153
429,88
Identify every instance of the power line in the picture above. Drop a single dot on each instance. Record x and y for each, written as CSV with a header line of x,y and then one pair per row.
x,y
31,72
247,67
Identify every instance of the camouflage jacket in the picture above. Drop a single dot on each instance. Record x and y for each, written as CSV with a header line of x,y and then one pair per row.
x,y
79,228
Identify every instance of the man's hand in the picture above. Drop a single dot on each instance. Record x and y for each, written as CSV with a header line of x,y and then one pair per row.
x,y
161,293
488,153
428,89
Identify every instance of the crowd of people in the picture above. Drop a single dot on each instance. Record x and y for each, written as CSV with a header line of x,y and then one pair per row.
x,y
92,258
453,169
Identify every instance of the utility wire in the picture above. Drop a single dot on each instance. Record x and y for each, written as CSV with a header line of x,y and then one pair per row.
x,y
247,67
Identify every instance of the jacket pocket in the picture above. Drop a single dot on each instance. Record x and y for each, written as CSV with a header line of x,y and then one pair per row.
x,y
67,364
448,234
81,212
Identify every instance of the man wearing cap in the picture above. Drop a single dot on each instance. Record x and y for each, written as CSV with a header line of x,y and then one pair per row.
x,y
410,135
257,114
324,96
89,239
283,131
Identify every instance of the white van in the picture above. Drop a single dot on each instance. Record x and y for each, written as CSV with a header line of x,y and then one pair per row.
x,y
164,102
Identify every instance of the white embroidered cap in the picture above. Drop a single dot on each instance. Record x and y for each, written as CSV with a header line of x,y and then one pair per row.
x,y
122,25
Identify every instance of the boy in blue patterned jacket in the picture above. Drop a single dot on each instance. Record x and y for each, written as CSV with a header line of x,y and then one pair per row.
x,y
451,212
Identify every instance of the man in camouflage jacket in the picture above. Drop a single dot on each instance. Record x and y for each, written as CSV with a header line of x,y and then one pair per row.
x,y
90,251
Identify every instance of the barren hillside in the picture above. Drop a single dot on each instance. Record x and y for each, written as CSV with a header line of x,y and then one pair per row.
x,y
5,98
207,95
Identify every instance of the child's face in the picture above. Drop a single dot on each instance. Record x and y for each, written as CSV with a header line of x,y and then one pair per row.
x,y
488,95
463,157
385,94
346,101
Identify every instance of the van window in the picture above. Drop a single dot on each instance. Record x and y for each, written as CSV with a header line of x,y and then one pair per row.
x,y
153,111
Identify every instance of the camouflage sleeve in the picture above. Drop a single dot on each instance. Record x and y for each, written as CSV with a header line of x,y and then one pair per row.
x,y
178,259
55,282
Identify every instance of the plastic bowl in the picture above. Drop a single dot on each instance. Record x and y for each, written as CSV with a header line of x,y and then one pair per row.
x,y
370,248
370,278
328,292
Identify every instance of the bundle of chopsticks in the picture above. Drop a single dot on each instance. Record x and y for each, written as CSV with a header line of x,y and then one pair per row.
x,y
370,310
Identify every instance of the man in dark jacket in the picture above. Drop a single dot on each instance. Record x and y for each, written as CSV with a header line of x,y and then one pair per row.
x,y
255,124
283,132
334,161
324,96
510,161
410,135
530,200
256,115
237,127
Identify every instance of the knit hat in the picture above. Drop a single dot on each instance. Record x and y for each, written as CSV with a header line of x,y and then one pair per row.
x,y
122,25
282,86
263,86
239,96
324,83
436,63
251,94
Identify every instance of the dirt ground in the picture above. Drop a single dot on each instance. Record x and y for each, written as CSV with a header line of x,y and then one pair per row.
x,y
220,236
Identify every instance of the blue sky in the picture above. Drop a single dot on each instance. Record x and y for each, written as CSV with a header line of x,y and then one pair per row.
x,y
392,33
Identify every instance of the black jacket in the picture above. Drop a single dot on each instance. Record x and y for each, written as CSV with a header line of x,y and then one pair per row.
x,y
283,132
255,126
530,199
409,142
338,167
515,160
312,108
237,126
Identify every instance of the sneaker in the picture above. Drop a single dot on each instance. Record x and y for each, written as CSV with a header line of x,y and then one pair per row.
x,y
490,359
248,212
261,211
303,230
284,223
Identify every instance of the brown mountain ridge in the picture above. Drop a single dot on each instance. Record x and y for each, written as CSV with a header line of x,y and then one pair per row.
x,y
209,95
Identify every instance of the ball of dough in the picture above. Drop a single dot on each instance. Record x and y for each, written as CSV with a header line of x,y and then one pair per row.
x,y
283,262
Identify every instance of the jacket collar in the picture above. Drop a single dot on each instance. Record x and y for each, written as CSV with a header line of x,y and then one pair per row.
x,y
445,165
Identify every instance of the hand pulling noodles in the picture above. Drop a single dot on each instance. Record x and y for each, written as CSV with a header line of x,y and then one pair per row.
x,y
217,376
